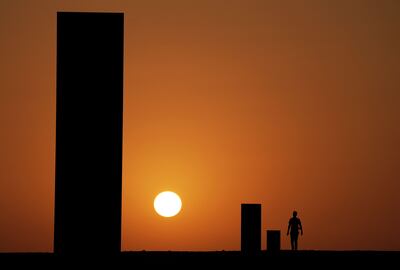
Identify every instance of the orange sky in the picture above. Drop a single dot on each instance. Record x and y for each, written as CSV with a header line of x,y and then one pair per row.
x,y
292,104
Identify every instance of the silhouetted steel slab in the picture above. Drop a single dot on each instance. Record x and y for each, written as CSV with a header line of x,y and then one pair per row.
x,y
89,132
273,240
251,228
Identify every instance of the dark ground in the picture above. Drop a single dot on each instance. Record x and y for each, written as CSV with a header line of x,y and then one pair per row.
x,y
204,260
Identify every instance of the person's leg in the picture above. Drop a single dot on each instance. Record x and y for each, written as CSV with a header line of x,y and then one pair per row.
x,y
294,238
292,242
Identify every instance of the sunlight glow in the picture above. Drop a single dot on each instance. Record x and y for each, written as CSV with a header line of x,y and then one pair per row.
x,y
167,204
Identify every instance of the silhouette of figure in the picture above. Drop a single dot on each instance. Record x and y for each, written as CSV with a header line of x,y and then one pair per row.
x,y
293,227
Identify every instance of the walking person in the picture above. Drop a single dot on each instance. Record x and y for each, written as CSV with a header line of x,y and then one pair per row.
x,y
294,227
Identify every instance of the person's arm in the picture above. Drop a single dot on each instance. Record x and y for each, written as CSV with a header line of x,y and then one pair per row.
x,y
301,227
288,228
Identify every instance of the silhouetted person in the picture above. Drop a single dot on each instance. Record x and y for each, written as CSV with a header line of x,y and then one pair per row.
x,y
294,227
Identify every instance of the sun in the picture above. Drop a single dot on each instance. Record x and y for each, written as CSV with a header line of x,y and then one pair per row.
x,y
167,204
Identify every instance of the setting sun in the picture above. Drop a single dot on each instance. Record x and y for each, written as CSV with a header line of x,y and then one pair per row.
x,y
167,204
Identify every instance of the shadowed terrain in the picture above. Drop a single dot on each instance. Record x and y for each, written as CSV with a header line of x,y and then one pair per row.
x,y
223,259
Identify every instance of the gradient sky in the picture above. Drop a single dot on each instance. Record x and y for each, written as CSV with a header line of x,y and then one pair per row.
x,y
292,104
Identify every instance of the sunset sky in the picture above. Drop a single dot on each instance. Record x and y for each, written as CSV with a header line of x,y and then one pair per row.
x,y
291,104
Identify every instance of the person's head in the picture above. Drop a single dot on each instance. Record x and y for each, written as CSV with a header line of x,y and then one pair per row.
x,y
295,213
